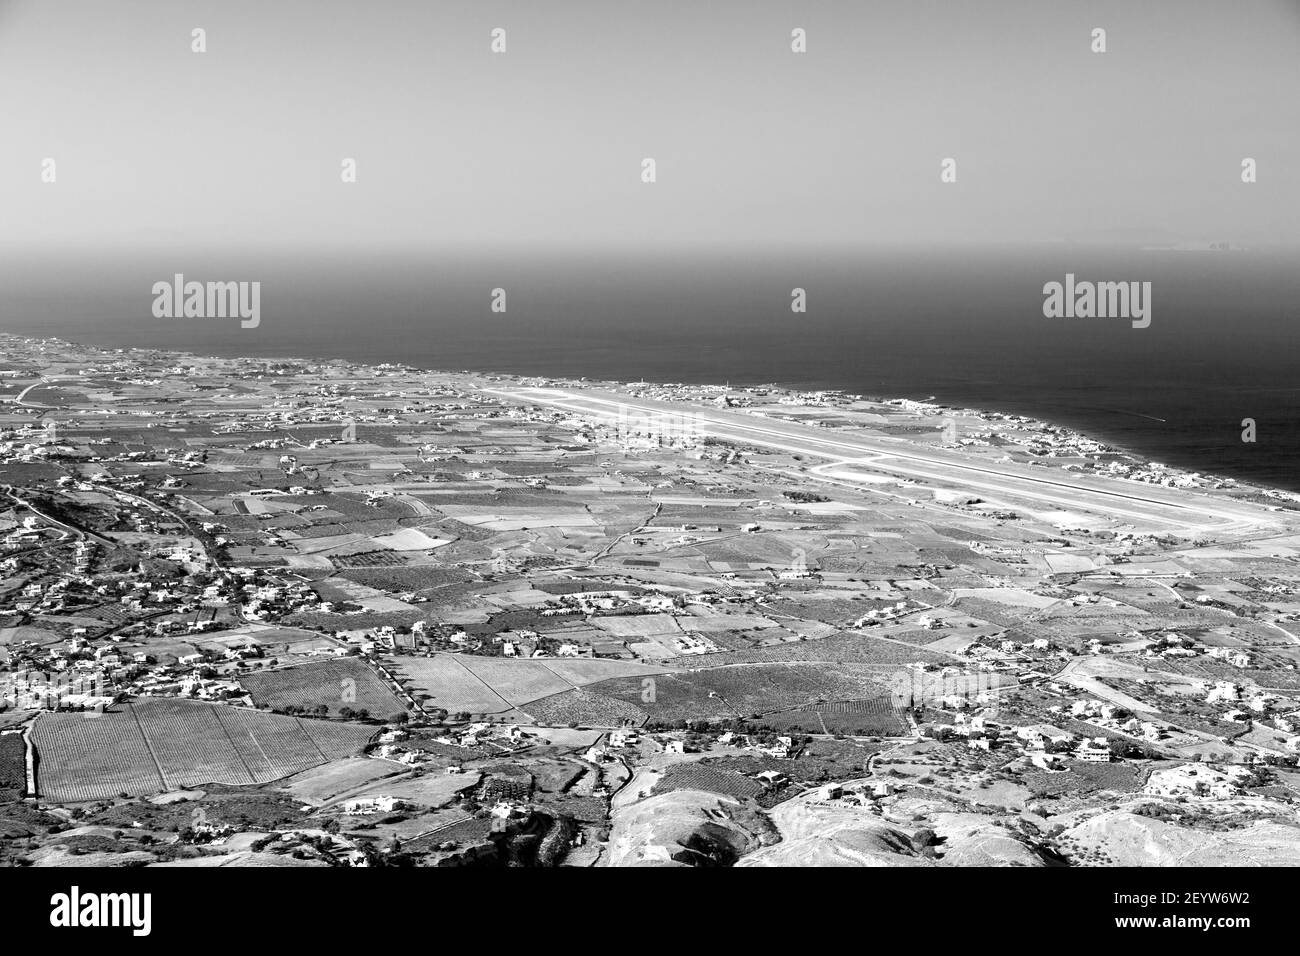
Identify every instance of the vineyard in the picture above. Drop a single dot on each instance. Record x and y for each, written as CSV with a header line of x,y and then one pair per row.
x,y
697,776
870,716
586,708
13,767
157,745
92,758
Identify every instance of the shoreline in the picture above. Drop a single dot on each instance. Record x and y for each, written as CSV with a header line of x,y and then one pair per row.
x,y
928,406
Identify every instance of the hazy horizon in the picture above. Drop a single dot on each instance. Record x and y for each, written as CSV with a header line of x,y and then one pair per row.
x,y
543,144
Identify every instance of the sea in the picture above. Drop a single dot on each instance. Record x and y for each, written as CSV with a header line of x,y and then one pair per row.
x,y
962,326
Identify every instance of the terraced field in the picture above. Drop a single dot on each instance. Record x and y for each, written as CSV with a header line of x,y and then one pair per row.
x,y
156,745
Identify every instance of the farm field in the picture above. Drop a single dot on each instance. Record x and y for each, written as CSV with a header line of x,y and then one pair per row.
x,y
79,758
639,626
320,785
158,745
490,685
857,647
583,671
743,690
696,776
335,684
429,790
585,707
37,635
13,766
873,715
452,686
516,682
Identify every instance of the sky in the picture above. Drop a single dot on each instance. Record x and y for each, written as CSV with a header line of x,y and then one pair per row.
x,y
543,145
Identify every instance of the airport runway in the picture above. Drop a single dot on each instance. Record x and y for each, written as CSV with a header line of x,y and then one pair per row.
x,y
1172,509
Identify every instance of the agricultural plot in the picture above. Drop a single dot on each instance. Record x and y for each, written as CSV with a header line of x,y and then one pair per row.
x,y
638,626
320,785
37,635
583,671
669,698
171,744
80,758
489,685
430,790
465,832
506,783
367,559
190,744
13,767
857,647
516,519
452,686
710,621
742,691
869,716
697,776
408,539
516,682
406,579
335,684
586,708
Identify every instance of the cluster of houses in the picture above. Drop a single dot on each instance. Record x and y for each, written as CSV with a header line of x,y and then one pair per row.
x,y
1250,705
1044,745
31,531
82,690
1180,645
780,749
484,734
620,739
1155,473
882,615
604,602
868,794
694,644
379,803
1113,718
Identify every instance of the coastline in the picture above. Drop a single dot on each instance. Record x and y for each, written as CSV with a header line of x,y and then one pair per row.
x,y
929,406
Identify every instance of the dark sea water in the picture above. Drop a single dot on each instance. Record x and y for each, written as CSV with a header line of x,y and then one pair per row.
x,y
965,327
